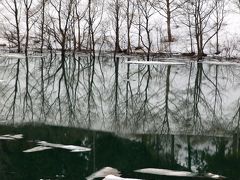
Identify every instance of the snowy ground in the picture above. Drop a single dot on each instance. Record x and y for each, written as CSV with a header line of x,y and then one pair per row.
x,y
229,34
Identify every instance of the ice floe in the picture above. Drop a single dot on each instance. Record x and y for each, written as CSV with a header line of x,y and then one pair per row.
x,y
11,137
221,63
104,172
214,176
37,149
166,172
14,55
112,177
72,148
20,56
155,62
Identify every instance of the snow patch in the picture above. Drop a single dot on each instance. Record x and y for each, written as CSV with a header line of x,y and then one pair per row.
x,y
72,148
221,63
166,172
37,149
155,62
103,173
112,177
11,137
14,55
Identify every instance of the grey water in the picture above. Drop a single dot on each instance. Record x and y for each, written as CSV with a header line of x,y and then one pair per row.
x,y
131,116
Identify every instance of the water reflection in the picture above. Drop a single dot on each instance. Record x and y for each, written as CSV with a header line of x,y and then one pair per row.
x,y
200,154
106,93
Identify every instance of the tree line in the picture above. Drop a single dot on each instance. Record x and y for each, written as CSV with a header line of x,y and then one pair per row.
x,y
116,25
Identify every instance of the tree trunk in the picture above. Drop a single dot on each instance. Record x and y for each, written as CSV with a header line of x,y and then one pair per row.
x,y
169,22
117,41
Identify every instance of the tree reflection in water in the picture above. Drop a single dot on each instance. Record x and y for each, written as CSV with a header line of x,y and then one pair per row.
x,y
105,93
164,107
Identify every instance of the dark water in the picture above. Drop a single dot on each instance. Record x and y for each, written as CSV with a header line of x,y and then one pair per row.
x,y
126,153
181,117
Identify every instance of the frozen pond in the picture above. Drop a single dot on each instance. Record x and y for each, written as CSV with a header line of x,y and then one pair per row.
x,y
67,118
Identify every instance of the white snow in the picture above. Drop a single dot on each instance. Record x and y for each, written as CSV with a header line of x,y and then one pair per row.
x,y
112,177
72,148
103,173
221,63
166,172
14,55
155,63
6,138
215,176
37,149
11,137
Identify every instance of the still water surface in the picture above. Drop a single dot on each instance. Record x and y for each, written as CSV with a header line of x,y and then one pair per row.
x,y
132,116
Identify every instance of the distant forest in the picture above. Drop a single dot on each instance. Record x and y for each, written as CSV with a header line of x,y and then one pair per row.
x,y
116,25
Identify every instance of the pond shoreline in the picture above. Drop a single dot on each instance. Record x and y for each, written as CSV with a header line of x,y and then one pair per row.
x,y
155,56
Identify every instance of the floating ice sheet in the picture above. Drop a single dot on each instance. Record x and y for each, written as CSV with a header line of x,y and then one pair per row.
x,y
221,63
155,62
72,148
20,56
112,177
37,149
214,176
14,55
103,173
166,172
11,137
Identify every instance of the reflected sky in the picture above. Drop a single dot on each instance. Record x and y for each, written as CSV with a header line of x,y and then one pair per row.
x,y
106,93
172,116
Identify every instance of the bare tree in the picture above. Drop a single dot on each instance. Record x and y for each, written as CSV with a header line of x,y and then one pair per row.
x,y
130,9
43,18
219,18
14,8
115,7
62,21
166,9
205,28
27,5
188,20
80,14
147,12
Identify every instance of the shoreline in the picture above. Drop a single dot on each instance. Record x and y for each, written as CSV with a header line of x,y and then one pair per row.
x,y
154,56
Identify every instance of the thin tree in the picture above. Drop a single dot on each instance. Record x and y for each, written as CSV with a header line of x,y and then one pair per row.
x,y
147,12
14,8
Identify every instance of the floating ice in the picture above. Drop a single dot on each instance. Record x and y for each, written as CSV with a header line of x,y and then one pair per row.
x,y
112,177
2,81
37,149
221,63
103,173
14,55
11,137
72,148
214,176
166,172
17,136
6,138
155,62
